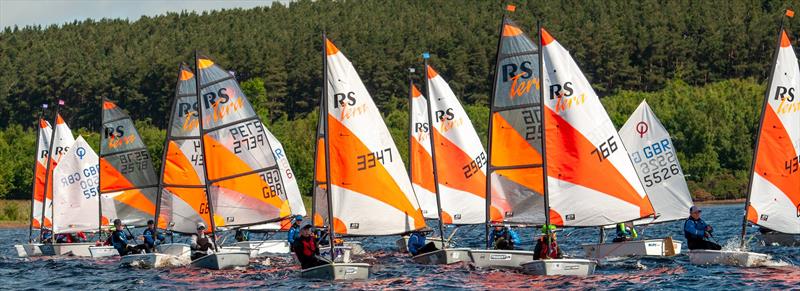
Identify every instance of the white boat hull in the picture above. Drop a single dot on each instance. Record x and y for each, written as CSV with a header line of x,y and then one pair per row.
x,y
731,258
68,249
500,258
182,251
443,257
402,243
337,271
263,248
152,260
648,247
560,267
103,251
30,250
223,260
780,239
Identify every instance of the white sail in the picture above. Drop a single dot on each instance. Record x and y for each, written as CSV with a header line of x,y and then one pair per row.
x,y
75,195
656,161
40,173
62,142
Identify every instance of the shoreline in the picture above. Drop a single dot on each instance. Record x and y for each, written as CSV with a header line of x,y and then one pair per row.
x,y
721,201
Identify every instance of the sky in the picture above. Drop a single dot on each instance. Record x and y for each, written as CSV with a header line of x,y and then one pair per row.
x,y
47,12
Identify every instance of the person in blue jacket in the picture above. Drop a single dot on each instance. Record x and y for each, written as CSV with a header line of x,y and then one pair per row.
x,y
504,238
120,240
150,237
294,230
417,245
696,231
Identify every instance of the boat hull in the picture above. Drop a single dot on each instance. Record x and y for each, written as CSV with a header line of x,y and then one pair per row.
x,y
263,248
337,271
648,247
443,257
730,258
780,239
103,251
223,260
560,267
179,250
30,250
500,258
402,243
152,260
65,249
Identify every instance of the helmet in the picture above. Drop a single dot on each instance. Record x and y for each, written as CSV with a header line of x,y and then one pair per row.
x,y
201,226
548,228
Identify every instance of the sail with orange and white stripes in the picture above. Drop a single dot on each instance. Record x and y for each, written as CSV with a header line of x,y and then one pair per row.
x,y
183,202
128,183
420,161
244,181
515,161
459,156
43,142
591,179
370,192
774,192
63,140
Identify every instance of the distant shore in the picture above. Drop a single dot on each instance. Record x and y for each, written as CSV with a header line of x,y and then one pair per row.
x,y
721,201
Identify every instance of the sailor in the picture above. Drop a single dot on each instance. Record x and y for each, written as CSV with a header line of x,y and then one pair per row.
x,y
547,248
504,237
625,232
120,240
294,230
696,231
241,235
306,249
150,237
71,237
417,245
201,244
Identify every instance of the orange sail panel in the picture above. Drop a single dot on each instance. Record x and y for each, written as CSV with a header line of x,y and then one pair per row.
x,y
43,137
371,193
128,183
515,163
421,163
591,179
775,188
245,183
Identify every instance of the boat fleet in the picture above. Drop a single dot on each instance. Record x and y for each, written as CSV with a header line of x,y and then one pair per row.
x,y
553,157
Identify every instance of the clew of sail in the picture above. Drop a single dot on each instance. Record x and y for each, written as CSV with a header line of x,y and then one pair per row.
x,y
75,196
371,193
515,162
183,202
245,183
775,185
460,158
421,163
656,162
41,168
591,179
128,183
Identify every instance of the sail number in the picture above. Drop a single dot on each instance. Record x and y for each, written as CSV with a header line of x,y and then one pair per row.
x,y
203,208
533,123
88,180
247,136
657,162
135,161
605,149
475,165
371,160
274,187
793,165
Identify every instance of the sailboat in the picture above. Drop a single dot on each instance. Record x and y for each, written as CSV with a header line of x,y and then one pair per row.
x,y
361,187
128,183
591,180
515,146
420,162
75,197
43,132
459,166
773,196
656,161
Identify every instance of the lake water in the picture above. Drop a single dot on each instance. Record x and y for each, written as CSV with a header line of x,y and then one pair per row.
x,y
395,270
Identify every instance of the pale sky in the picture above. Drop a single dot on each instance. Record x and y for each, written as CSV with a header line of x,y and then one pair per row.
x,y
46,12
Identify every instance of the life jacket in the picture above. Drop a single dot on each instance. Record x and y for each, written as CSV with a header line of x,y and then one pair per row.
x,y
309,246
203,243
548,251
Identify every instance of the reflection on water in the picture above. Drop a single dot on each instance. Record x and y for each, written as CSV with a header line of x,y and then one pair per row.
x,y
393,270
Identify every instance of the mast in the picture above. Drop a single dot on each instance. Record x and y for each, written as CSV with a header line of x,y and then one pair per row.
x,y
99,173
203,149
425,57
332,229
47,168
758,134
35,164
164,153
411,125
489,141
544,132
